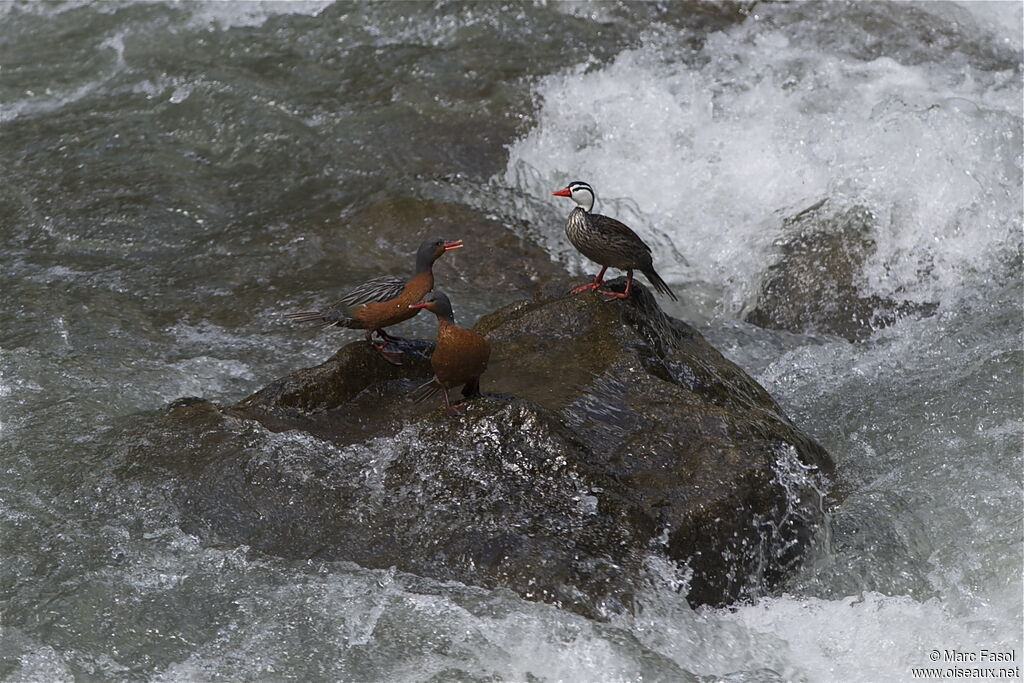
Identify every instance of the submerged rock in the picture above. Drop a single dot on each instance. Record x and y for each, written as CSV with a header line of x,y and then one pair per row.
x,y
813,287
609,434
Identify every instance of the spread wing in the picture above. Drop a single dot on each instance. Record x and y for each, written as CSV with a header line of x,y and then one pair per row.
x,y
383,288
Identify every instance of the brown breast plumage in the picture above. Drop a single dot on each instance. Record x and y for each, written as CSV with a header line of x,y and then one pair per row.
x,y
460,356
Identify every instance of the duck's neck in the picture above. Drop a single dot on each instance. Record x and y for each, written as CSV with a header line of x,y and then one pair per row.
x,y
424,264
577,222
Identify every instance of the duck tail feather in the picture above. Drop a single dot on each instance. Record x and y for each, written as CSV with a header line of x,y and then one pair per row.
x,y
660,284
425,390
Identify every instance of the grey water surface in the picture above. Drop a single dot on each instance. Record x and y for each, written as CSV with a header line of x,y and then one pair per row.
x,y
176,175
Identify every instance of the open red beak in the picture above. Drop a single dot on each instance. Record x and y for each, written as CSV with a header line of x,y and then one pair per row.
x,y
564,192
454,244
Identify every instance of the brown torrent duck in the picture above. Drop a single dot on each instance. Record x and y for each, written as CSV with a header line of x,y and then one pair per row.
x,y
459,357
383,301
607,242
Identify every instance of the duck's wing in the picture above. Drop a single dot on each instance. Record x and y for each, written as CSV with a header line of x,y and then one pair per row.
x,y
619,234
383,288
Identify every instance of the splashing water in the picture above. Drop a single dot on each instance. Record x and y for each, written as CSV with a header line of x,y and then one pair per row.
x,y
717,146
177,172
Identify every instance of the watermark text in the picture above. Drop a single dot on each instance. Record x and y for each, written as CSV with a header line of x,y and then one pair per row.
x,y
949,664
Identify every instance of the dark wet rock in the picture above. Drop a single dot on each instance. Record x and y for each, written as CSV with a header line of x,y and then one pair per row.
x,y
344,398
609,434
813,286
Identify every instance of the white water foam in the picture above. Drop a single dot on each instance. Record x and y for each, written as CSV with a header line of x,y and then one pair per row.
x,y
204,376
225,15
1003,18
851,639
716,148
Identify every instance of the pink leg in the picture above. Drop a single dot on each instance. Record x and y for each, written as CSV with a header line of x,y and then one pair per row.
x,y
453,409
388,337
381,348
598,281
619,295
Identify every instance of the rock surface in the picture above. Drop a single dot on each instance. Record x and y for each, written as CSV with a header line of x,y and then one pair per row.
x,y
609,434
813,287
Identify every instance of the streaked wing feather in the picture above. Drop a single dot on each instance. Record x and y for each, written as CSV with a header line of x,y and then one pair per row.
x,y
333,315
383,288
617,231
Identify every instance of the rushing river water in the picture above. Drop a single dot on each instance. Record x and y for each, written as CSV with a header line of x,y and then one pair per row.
x,y
174,176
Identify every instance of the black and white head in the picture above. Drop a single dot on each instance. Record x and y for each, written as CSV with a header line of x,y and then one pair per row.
x,y
438,304
580,192
432,249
